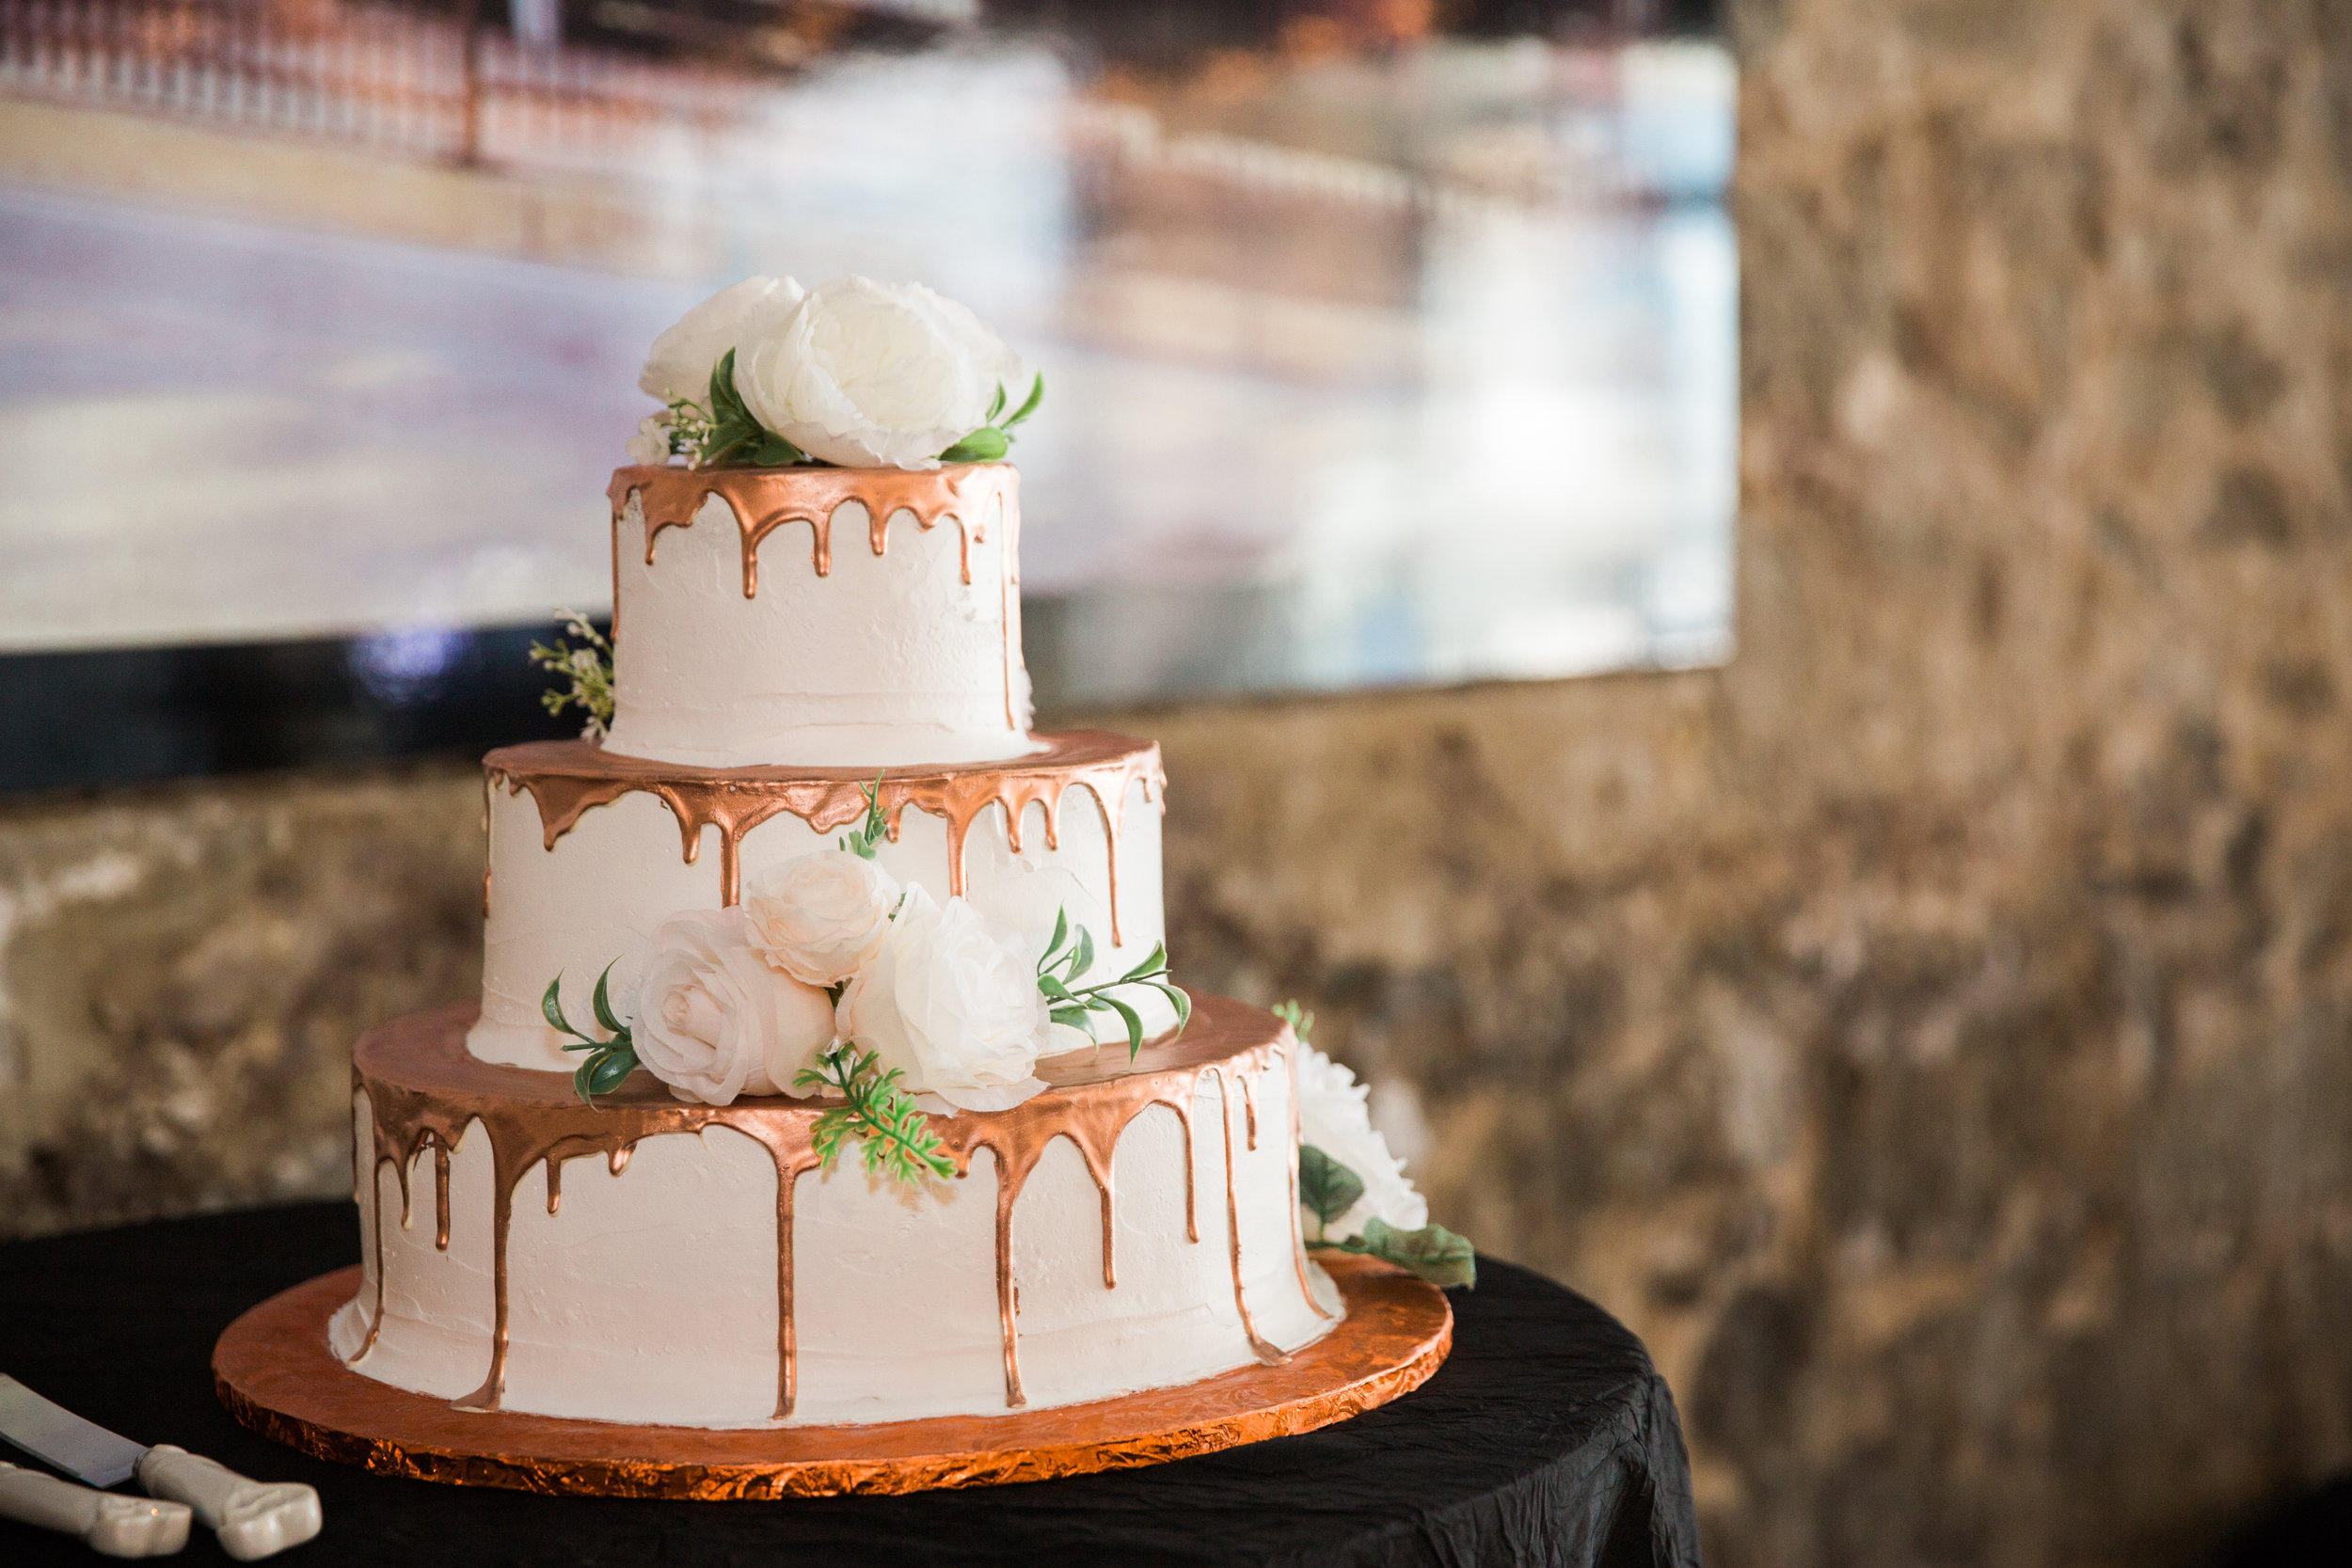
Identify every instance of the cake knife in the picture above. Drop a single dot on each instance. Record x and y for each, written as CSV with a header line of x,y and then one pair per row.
x,y
252,1519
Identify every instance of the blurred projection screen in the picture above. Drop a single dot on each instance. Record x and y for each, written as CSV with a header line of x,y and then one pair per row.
x,y
1368,362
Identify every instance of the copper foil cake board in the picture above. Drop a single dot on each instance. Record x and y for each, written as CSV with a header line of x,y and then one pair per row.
x,y
274,1371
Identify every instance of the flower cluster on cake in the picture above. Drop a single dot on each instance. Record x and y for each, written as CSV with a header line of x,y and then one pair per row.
x,y
828,1067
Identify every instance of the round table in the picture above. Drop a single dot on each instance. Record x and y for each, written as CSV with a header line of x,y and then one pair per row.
x,y
1547,1439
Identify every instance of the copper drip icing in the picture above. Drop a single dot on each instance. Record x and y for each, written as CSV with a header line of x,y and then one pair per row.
x,y
486,792
440,1196
765,499
1250,1101
568,778
1298,1238
1267,1352
424,1087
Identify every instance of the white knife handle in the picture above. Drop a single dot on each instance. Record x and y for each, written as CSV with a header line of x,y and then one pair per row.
x,y
109,1523
251,1518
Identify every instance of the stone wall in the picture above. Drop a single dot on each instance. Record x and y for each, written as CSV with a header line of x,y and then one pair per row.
x,y
1932,1032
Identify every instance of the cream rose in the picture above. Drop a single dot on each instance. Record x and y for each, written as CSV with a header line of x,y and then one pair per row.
x,y
1332,1117
714,1022
821,918
734,318
952,1002
871,374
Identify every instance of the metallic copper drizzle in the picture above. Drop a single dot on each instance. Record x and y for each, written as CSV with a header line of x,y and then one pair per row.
x,y
763,500
441,1195
1299,1239
1272,1355
422,1088
569,778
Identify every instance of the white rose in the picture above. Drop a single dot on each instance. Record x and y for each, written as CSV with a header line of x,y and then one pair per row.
x,y
714,1022
650,446
871,374
821,918
1332,1117
952,1002
684,356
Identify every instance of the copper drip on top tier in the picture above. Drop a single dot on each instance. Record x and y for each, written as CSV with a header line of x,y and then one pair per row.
x,y
425,1089
567,778
763,500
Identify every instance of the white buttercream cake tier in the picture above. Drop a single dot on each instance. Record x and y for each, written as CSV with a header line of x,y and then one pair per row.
x,y
816,616
591,852
632,1261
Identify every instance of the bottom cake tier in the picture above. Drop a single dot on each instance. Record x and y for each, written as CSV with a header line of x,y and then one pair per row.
x,y
1135,1226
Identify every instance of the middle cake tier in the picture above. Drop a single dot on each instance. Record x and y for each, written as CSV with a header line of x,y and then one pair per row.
x,y
590,851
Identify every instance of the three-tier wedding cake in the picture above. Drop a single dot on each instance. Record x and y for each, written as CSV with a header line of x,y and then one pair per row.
x,y
827,1068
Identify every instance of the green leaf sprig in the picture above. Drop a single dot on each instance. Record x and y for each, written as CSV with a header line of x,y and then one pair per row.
x,y
874,828
1068,957
736,439
609,1062
894,1135
1328,1189
1432,1252
587,673
994,438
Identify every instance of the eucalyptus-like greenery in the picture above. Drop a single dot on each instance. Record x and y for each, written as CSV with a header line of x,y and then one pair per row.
x,y
1432,1252
994,438
875,828
733,437
609,1062
587,673
894,1135
1068,957
1327,1190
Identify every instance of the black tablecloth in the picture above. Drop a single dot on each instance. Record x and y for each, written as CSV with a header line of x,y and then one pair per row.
x,y
1545,1439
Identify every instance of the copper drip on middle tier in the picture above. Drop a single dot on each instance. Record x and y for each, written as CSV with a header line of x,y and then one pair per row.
x,y
424,1091
566,779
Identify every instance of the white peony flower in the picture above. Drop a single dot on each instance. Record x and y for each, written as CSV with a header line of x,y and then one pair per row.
x,y
871,374
713,1021
952,1002
1332,1117
821,918
650,446
734,318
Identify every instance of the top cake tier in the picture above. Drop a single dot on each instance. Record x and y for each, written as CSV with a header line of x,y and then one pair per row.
x,y
818,617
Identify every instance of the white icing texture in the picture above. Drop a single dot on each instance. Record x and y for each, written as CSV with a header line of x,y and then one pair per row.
x,y
650,1296
620,870
882,661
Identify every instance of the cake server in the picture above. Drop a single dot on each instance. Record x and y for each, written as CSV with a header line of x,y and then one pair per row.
x,y
251,1518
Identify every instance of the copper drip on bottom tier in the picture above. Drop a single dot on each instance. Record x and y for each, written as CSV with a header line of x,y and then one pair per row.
x,y
423,1089
569,778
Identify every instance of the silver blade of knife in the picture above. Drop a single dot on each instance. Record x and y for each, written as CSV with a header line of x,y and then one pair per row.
x,y
58,1436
